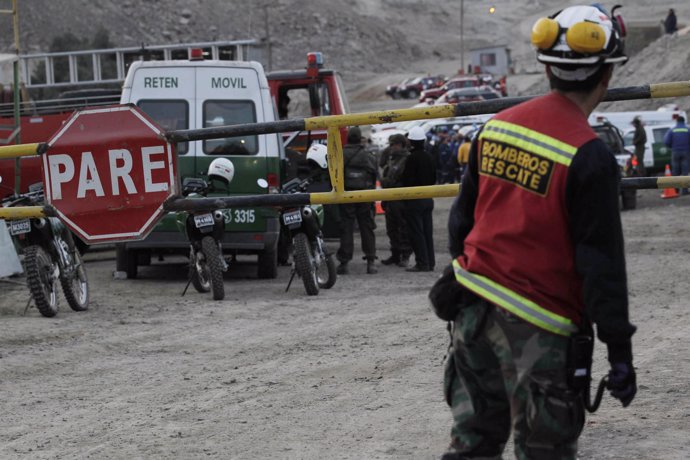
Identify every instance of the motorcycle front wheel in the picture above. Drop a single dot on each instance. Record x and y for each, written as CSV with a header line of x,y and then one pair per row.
x,y
76,286
211,252
41,278
198,271
326,272
304,263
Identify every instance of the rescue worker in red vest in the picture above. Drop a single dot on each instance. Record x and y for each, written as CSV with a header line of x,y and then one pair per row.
x,y
538,252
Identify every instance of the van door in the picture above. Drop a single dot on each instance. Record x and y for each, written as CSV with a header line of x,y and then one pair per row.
x,y
662,154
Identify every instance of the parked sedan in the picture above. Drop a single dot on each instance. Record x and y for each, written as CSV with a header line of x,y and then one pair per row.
x,y
454,83
413,88
392,90
479,93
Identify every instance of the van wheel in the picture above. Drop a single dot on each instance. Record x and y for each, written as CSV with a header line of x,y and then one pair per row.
x,y
268,263
629,199
132,261
126,260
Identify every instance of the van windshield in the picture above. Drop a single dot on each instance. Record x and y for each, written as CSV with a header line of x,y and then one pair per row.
x,y
170,115
224,112
304,101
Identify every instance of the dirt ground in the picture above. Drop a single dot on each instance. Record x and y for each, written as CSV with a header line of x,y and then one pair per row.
x,y
354,373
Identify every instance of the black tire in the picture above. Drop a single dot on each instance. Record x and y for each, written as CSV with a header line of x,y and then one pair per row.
x,y
81,246
629,199
304,263
211,252
132,263
326,272
198,272
76,287
43,284
267,263
412,94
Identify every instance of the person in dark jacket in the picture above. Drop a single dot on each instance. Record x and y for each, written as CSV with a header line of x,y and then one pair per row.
x,y
639,142
538,258
360,174
391,167
420,170
671,22
678,140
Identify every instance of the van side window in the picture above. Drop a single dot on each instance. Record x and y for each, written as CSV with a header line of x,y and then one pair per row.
x,y
170,115
223,112
659,134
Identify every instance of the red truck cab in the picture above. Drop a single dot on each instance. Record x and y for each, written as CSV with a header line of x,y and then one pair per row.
x,y
310,92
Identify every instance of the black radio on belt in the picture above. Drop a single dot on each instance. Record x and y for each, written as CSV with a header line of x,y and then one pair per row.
x,y
580,361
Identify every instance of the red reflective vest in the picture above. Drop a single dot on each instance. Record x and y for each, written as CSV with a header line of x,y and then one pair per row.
x,y
519,255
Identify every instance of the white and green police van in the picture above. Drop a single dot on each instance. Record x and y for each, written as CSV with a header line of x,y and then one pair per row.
x,y
196,94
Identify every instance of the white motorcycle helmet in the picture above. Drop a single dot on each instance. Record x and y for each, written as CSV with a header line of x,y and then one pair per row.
x,y
221,169
318,153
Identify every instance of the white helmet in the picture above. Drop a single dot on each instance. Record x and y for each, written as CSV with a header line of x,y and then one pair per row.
x,y
416,134
465,130
222,169
581,36
318,153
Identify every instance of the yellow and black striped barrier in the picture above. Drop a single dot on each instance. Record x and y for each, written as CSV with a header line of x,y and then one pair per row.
x,y
653,91
332,124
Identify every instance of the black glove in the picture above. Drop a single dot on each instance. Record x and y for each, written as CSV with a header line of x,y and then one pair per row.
x,y
622,383
446,295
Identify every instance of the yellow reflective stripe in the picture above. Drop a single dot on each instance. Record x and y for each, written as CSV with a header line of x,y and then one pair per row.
x,y
513,302
680,130
529,140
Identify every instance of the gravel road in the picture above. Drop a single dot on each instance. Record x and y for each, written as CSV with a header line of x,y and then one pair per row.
x,y
354,373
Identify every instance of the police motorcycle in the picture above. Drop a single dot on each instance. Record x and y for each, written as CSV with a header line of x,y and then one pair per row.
x,y
302,224
205,230
50,256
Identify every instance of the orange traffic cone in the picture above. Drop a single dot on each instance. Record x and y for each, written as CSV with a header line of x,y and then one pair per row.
x,y
379,208
669,192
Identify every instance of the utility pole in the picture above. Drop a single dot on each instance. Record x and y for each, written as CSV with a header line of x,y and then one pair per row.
x,y
462,35
268,39
15,68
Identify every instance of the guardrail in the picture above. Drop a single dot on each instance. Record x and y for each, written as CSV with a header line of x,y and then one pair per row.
x,y
335,165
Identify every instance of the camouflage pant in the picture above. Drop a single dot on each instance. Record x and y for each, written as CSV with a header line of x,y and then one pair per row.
x,y
503,371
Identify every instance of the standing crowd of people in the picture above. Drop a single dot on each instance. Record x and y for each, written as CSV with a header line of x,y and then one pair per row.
x,y
449,149
406,162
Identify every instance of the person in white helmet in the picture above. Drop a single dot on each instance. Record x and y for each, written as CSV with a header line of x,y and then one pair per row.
x,y
420,169
538,258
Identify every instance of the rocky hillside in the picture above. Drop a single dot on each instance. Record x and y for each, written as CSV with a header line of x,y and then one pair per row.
x,y
664,60
362,38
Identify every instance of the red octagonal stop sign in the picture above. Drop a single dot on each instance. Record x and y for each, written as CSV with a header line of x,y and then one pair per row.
x,y
107,172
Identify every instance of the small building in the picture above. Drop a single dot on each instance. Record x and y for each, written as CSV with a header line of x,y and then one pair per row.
x,y
492,59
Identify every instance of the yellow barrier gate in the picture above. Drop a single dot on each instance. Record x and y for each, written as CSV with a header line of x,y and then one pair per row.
x,y
335,151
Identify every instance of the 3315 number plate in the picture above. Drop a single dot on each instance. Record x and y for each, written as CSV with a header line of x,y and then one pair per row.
x,y
203,220
17,227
